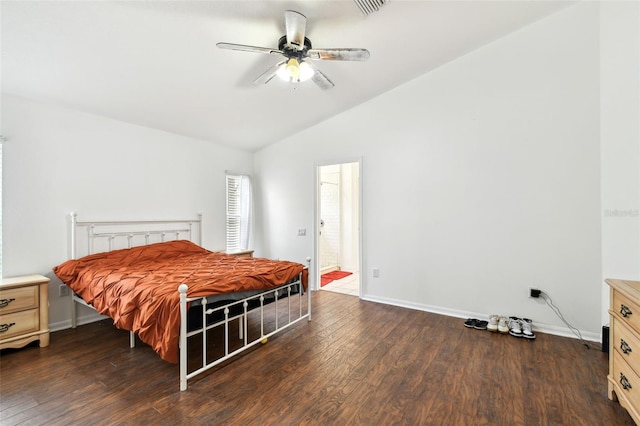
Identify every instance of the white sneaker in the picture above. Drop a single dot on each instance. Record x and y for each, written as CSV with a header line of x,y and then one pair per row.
x,y
493,323
515,326
502,325
526,329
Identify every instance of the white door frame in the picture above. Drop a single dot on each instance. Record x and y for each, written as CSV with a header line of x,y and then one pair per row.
x,y
316,218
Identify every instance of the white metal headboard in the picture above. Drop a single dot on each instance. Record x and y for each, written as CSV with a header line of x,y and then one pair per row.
x,y
106,236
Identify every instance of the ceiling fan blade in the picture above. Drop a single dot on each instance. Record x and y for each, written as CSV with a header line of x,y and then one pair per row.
x,y
346,54
271,72
246,48
295,24
322,80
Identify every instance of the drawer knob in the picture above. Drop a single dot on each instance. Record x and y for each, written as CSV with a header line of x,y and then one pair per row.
x,y
624,382
625,311
6,327
624,347
5,302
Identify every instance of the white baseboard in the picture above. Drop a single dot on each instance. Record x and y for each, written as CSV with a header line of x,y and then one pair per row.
x,y
543,328
85,319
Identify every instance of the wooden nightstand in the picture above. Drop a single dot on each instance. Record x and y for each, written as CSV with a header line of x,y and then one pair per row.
x,y
24,311
241,253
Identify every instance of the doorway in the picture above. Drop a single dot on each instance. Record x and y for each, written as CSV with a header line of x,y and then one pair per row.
x,y
338,228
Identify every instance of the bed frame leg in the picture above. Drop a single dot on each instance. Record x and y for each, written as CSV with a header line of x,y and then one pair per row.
x,y
308,291
183,336
74,319
74,219
132,339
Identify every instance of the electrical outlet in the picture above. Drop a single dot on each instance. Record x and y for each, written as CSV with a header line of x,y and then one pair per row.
x,y
375,272
63,290
534,292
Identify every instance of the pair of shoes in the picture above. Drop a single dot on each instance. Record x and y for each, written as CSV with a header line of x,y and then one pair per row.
x,y
476,323
498,323
521,327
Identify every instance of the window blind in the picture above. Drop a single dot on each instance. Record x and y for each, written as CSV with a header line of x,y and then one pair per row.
x,y
233,212
238,212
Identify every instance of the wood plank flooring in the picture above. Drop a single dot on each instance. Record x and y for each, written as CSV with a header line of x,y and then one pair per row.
x,y
356,362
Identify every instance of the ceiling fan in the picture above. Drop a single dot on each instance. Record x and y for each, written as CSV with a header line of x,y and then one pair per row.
x,y
297,50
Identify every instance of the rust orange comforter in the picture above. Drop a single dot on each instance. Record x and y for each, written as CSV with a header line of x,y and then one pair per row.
x,y
138,287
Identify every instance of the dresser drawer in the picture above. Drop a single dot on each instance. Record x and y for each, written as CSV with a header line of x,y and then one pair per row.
x,y
18,299
627,344
627,381
19,323
627,310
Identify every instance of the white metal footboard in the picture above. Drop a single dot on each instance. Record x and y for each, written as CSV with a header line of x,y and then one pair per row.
x,y
291,317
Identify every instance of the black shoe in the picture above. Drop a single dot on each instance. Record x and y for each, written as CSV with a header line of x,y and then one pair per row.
x,y
481,325
471,323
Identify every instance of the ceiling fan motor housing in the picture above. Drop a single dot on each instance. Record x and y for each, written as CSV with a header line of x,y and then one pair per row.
x,y
291,51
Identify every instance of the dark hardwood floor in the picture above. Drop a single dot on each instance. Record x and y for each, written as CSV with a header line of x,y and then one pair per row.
x,y
356,362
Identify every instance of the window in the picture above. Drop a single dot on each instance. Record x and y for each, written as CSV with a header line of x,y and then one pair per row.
x,y
238,212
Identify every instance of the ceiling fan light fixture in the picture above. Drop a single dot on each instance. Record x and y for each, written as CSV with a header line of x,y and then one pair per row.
x,y
294,71
306,71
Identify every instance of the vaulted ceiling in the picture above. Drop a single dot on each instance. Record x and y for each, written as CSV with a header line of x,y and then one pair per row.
x,y
155,63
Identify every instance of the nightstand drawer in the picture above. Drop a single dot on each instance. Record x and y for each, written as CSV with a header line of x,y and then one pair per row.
x,y
18,299
19,323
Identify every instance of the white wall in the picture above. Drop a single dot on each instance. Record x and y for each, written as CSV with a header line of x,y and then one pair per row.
x,y
58,160
488,168
620,136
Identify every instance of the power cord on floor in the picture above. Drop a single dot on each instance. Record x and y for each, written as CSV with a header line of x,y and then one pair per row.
x,y
555,309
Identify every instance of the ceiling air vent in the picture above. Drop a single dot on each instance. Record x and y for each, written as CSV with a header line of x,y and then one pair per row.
x,y
370,6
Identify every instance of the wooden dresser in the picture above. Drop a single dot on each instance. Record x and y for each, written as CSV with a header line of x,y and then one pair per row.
x,y
624,345
241,253
24,311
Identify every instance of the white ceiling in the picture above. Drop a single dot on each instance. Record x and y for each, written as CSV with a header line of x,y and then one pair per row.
x,y
155,63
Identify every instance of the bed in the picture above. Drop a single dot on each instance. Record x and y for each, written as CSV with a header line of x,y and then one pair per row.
x,y
154,279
